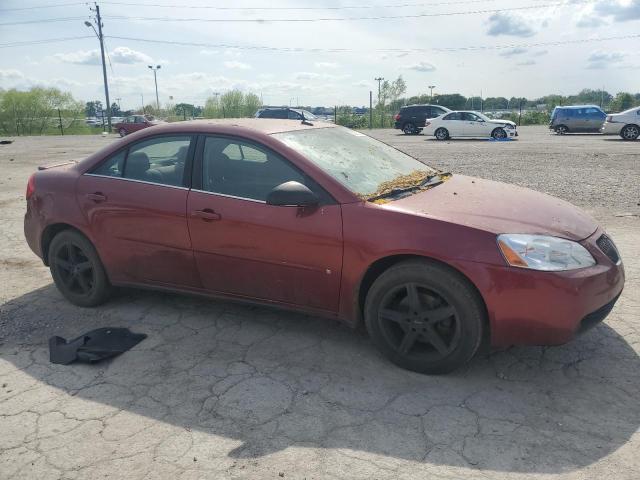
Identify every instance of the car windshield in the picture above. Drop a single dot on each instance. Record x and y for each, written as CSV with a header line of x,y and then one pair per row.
x,y
308,115
364,165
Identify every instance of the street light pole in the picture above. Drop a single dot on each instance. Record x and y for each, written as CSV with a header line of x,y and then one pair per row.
x,y
155,79
431,87
379,80
98,21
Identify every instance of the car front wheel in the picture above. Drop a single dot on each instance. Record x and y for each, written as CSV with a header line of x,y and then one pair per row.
x,y
630,132
561,129
441,134
77,270
499,133
425,317
122,132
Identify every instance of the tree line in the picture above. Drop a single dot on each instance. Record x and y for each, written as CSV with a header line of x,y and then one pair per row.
x,y
41,111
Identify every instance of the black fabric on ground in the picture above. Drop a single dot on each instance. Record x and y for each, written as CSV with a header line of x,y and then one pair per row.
x,y
93,346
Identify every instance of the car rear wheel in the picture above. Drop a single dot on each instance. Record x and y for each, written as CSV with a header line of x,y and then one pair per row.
x,y
630,132
409,129
499,133
77,270
562,129
442,134
122,132
424,317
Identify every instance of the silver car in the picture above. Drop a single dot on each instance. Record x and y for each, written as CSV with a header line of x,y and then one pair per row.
x,y
577,118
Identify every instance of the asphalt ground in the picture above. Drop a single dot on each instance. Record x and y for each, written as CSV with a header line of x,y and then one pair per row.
x,y
222,390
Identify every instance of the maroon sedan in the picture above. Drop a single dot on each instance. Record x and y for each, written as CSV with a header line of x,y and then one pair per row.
x,y
133,123
328,221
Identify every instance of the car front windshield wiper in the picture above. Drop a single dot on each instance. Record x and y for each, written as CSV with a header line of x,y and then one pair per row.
x,y
428,181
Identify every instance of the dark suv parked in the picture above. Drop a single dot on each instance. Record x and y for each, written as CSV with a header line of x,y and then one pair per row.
x,y
412,118
285,112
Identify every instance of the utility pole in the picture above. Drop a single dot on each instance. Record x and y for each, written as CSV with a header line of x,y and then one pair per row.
x,y
431,87
155,79
118,100
142,99
379,80
370,109
481,102
98,21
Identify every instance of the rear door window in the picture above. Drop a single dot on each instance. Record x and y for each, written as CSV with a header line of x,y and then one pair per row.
x,y
453,116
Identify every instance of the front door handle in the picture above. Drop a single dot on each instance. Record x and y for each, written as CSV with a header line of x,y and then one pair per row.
x,y
206,214
97,197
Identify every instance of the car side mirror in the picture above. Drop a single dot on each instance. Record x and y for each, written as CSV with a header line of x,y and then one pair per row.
x,y
292,194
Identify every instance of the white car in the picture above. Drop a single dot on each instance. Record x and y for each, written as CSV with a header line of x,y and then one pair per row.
x,y
469,124
625,124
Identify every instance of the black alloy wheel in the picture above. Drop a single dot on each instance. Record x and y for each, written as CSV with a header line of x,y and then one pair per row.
x,y
425,316
77,270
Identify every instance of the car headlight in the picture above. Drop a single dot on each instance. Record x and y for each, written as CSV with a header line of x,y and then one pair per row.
x,y
540,252
509,126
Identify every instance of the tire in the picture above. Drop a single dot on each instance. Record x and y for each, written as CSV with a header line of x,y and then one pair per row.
x,y
448,328
499,133
409,128
630,132
441,134
77,270
122,132
562,129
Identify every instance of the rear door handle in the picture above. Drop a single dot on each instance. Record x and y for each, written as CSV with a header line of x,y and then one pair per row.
x,y
97,197
206,214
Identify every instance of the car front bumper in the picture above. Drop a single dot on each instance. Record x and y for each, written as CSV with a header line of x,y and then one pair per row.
x,y
608,128
528,307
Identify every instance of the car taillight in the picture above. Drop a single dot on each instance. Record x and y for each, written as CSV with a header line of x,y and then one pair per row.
x,y
31,186
396,116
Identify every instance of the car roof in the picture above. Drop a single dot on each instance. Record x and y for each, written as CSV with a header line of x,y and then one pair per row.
x,y
578,106
266,126
422,105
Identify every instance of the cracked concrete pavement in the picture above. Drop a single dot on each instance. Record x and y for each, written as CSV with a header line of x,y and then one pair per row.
x,y
222,390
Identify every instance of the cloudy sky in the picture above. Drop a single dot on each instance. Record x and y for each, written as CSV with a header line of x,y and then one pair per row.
x,y
497,47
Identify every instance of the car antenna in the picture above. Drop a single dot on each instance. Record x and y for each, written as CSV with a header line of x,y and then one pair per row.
x,y
305,121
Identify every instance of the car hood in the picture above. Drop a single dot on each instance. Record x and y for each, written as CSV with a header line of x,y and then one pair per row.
x,y
503,122
498,208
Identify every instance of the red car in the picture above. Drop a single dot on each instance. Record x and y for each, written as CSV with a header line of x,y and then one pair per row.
x,y
133,123
325,220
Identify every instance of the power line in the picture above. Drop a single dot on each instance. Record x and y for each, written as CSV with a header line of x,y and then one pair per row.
x,y
343,19
381,50
43,20
301,20
38,42
38,7
342,7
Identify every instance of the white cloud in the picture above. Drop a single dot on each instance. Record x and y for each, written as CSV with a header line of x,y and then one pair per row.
x,y
207,52
421,67
514,51
236,65
330,65
526,63
121,55
319,76
619,10
504,24
12,78
361,83
601,59
81,57
125,55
